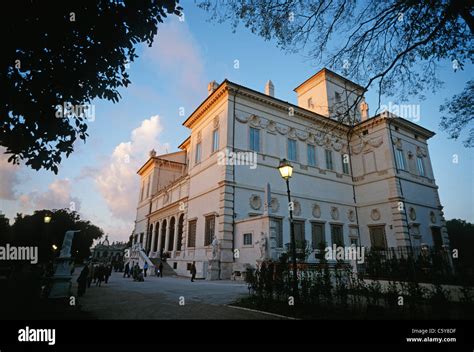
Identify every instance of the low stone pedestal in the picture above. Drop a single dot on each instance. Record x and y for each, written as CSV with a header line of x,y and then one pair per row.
x,y
213,270
61,287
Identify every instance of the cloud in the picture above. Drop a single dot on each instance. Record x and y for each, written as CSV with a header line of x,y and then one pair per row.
x,y
9,177
58,196
117,180
177,57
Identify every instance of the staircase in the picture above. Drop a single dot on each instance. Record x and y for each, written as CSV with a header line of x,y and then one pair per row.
x,y
167,269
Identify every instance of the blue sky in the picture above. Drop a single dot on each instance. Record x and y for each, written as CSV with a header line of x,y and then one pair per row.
x,y
99,179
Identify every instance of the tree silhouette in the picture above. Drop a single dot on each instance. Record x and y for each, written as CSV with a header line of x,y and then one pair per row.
x,y
65,53
395,45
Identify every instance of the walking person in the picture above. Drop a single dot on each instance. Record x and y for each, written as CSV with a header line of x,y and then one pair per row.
x,y
136,271
145,268
193,271
82,281
108,272
126,271
100,275
160,267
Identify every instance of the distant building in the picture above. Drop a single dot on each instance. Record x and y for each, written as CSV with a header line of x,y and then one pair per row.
x,y
106,252
356,180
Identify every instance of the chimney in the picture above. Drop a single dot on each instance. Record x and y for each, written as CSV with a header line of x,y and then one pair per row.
x,y
270,89
211,87
364,110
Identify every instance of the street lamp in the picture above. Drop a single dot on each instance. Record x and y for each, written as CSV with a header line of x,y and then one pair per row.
x,y
286,171
47,219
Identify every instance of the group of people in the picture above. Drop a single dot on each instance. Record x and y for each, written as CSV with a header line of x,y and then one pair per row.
x,y
93,274
139,274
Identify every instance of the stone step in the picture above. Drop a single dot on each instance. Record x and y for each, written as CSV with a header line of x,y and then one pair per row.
x,y
167,269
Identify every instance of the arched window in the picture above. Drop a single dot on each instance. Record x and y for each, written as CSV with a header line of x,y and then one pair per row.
x,y
163,235
180,231
171,232
155,240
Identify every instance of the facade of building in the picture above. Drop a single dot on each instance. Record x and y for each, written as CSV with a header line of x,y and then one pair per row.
x,y
108,252
220,201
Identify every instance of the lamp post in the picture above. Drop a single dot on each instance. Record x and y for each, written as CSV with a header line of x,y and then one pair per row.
x,y
286,170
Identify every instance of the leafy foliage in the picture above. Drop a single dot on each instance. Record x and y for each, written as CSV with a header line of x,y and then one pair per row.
x,y
395,44
459,113
31,230
65,52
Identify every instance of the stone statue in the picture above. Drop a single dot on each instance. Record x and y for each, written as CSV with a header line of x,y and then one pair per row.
x,y
215,244
67,244
263,245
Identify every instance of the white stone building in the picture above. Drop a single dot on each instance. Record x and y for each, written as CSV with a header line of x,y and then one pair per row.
x,y
368,183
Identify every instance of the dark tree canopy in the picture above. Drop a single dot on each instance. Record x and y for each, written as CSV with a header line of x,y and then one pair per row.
x,y
396,45
31,230
56,53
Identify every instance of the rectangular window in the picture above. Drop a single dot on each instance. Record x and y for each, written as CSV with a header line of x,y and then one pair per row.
x,y
276,232
378,241
247,239
209,230
299,234
329,164
198,153
318,236
337,235
255,139
400,159
345,163
421,167
148,189
215,140
292,155
311,155
192,233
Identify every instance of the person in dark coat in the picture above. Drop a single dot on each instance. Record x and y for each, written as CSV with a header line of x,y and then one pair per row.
x,y
126,271
107,272
161,269
100,274
82,281
193,271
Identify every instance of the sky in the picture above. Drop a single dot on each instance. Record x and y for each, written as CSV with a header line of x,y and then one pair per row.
x,y
169,80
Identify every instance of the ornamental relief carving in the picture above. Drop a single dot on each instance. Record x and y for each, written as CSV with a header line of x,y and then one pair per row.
x,y
255,202
274,205
296,208
397,142
373,142
351,215
308,135
420,151
334,213
316,211
375,214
